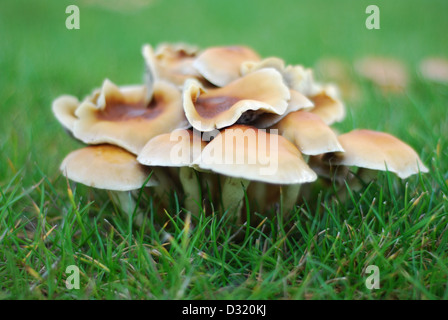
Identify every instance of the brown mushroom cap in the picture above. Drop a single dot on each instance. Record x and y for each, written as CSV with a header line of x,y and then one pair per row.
x,y
64,109
106,167
378,151
121,117
309,133
262,91
222,65
176,149
246,152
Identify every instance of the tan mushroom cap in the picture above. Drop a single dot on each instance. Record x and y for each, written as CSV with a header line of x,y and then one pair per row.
x,y
324,98
327,105
106,167
176,149
378,151
150,75
435,69
246,152
308,133
271,62
64,109
176,49
262,91
301,79
388,73
296,77
297,102
171,62
121,117
222,65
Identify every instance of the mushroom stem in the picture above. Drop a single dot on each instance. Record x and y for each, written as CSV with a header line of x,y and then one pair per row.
x,y
167,184
363,177
288,197
192,190
290,193
233,195
357,181
126,201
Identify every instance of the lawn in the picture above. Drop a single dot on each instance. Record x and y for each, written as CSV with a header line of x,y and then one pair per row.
x,y
322,252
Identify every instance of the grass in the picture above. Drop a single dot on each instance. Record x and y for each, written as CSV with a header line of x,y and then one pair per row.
x,y
47,224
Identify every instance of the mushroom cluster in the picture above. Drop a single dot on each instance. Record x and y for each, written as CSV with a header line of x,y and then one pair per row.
x,y
216,124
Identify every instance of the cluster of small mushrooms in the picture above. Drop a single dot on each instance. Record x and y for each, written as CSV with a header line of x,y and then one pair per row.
x,y
216,124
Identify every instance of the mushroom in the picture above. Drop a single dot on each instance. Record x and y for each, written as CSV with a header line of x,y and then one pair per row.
x,y
150,74
111,168
377,151
171,62
295,77
232,95
297,102
121,117
243,154
177,149
64,109
387,73
327,105
435,69
311,136
222,65
262,91
300,80
309,133
271,62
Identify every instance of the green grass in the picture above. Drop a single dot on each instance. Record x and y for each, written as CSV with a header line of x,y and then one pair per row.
x,y
321,253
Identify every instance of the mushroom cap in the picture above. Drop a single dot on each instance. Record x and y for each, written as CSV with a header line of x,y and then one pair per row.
x,y
296,77
297,102
222,65
378,151
121,117
300,79
327,105
176,149
64,109
435,69
176,49
106,167
171,62
262,91
150,74
250,153
254,65
308,133
387,73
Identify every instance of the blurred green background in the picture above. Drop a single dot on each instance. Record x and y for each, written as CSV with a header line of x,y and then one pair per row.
x,y
41,59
